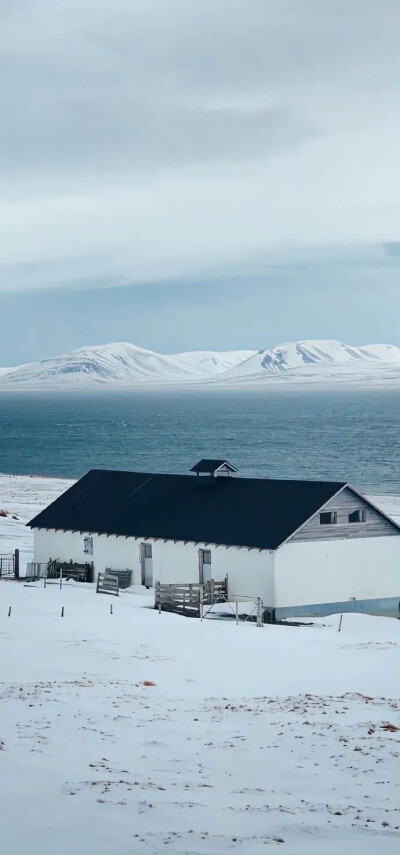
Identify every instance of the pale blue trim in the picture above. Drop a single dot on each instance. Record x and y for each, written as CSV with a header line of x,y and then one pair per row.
x,y
386,606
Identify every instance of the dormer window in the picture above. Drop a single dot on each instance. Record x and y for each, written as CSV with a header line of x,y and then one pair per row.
x,y
328,518
358,516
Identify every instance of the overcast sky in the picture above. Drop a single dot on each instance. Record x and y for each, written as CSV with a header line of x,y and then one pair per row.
x,y
198,173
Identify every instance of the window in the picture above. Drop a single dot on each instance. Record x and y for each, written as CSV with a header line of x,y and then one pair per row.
x,y
88,545
358,516
206,556
148,552
328,518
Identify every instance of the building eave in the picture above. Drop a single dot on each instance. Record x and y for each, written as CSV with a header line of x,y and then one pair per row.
x,y
143,538
374,506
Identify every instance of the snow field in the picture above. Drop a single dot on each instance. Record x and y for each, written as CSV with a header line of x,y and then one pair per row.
x,y
24,496
248,739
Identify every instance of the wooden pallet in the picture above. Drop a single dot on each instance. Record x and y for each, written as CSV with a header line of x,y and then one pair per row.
x,y
107,584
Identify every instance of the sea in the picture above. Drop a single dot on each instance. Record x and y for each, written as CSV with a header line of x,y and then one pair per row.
x,y
351,434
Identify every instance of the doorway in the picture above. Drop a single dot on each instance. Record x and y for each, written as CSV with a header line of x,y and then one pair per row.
x,y
146,561
205,566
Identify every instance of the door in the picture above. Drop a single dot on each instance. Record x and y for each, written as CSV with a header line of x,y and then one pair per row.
x,y
205,565
146,555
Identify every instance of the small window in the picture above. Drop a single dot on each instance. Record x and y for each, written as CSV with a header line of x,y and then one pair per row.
x,y
206,556
358,516
328,518
148,552
88,545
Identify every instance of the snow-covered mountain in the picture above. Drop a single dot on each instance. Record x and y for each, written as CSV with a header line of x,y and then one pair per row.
x,y
210,363
123,364
305,358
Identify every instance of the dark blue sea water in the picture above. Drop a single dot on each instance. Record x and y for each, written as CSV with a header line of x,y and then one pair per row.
x,y
351,435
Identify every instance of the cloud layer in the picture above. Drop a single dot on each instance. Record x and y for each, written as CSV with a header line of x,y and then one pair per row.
x,y
147,140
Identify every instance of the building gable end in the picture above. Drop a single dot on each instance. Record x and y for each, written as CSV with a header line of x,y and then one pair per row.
x,y
346,515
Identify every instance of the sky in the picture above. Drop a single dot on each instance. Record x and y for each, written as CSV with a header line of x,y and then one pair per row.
x,y
198,174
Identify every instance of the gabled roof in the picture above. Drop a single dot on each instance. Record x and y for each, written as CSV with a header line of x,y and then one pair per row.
x,y
209,466
252,512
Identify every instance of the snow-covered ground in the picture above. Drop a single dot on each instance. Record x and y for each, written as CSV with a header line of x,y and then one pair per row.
x,y
133,732
22,497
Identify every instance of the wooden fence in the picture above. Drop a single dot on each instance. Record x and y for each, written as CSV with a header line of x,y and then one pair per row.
x,y
190,599
57,569
107,584
124,576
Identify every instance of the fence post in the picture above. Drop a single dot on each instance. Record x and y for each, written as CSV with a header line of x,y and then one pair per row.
x,y
237,612
16,563
9,611
259,611
61,577
157,596
201,601
340,623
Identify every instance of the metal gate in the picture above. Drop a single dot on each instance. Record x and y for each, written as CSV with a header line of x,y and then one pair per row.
x,y
7,566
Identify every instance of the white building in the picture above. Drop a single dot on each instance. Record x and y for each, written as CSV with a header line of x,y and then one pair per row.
x,y
304,547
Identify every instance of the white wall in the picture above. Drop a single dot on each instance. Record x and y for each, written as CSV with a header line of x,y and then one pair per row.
x,y
332,571
250,572
119,553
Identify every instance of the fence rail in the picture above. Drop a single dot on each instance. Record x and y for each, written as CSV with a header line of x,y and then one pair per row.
x,y
124,576
35,570
190,599
107,584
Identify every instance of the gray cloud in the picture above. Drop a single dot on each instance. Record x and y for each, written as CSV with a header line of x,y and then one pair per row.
x,y
144,140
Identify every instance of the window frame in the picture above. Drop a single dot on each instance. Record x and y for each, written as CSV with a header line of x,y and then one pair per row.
x,y
88,544
204,553
360,518
332,515
147,550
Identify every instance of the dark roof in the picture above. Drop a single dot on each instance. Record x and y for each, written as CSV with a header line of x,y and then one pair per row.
x,y
254,512
209,466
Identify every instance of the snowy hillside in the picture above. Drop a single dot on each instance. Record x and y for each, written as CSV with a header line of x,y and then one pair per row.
x,y
120,363
126,365
305,356
209,363
112,363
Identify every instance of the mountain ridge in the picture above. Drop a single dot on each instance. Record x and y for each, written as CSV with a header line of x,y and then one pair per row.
x,y
128,365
